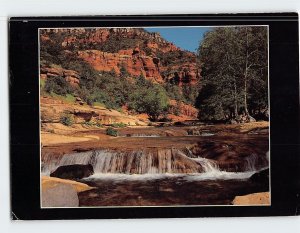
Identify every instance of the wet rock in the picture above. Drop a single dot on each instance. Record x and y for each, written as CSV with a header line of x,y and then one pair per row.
x,y
251,119
61,195
73,172
233,122
261,177
194,132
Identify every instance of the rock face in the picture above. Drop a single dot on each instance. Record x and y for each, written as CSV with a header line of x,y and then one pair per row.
x,y
144,53
184,109
135,63
70,76
52,111
233,157
61,195
76,171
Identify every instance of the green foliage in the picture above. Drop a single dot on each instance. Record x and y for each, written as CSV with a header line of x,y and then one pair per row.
x,y
70,98
67,119
148,51
110,89
42,83
172,57
123,72
57,85
118,125
234,72
91,123
112,132
190,93
115,43
152,100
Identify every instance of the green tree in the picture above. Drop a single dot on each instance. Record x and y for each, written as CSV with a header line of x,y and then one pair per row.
x,y
152,100
234,64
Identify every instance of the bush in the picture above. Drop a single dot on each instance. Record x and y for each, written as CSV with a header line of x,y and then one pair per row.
x,y
119,125
57,85
112,132
153,101
92,124
67,119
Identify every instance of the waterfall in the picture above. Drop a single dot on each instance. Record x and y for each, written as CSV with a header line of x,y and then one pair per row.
x,y
133,162
255,162
208,165
151,161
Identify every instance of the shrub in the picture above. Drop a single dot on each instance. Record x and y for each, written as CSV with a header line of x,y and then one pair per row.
x,y
67,119
57,85
153,101
91,124
112,132
119,125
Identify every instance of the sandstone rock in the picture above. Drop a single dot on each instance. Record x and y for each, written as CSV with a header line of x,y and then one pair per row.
x,y
71,73
71,76
61,195
43,76
76,171
183,109
74,82
253,199
49,182
134,59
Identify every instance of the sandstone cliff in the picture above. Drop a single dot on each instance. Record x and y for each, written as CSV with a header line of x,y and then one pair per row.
x,y
137,50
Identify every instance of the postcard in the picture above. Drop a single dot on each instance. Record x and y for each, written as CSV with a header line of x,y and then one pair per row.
x,y
140,116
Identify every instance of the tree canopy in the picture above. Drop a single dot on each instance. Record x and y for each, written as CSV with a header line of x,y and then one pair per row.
x,y
234,63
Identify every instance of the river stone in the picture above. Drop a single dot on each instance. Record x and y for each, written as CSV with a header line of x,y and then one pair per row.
x,y
73,172
61,195
261,177
251,119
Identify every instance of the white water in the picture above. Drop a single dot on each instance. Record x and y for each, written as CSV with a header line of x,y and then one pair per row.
x,y
135,162
146,165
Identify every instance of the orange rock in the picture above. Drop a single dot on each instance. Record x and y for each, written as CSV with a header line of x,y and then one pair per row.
x,y
253,199
184,109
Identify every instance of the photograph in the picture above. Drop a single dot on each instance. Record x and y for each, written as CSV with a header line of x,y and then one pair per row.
x,y
155,116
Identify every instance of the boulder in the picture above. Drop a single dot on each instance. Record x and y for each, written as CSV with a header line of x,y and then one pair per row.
x,y
233,122
61,195
50,182
261,177
253,199
251,119
73,172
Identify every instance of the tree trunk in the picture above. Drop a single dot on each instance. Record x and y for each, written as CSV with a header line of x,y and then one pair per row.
x,y
235,101
246,78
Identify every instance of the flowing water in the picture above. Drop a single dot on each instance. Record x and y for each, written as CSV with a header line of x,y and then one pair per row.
x,y
159,177
153,162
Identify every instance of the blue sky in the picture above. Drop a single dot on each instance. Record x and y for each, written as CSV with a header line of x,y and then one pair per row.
x,y
187,38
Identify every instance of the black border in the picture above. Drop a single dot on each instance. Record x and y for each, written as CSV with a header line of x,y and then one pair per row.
x,y
24,115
